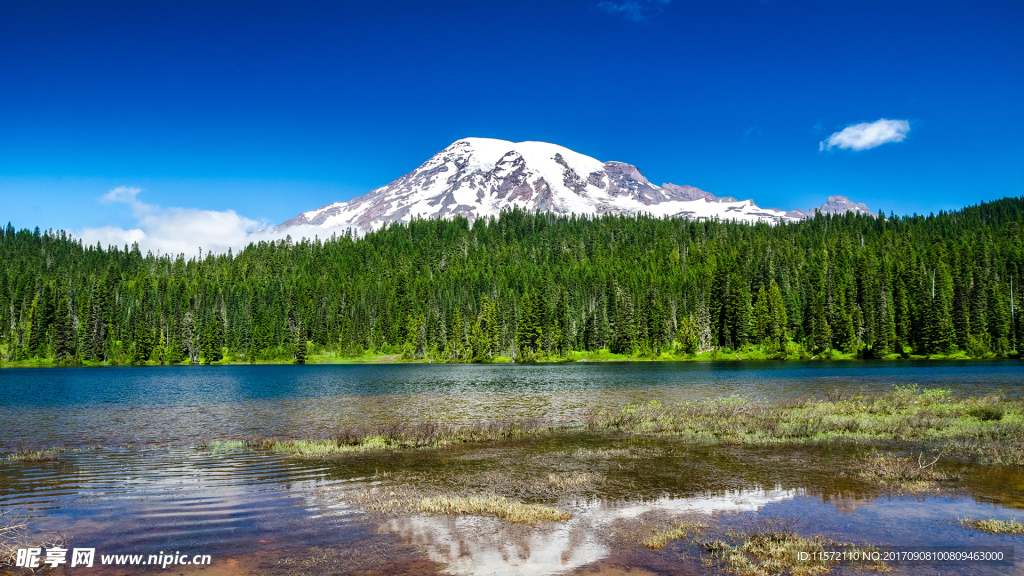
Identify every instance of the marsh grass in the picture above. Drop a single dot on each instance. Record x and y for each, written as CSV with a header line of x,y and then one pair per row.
x,y
903,473
23,454
993,526
773,547
572,481
403,436
990,428
632,452
394,499
678,531
216,446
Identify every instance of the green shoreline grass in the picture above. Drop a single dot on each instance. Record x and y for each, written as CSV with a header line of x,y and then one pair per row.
x,y
724,355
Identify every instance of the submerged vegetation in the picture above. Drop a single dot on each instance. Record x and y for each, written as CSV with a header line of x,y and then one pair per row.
x,y
402,436
527,287
929,424
29,455
928,418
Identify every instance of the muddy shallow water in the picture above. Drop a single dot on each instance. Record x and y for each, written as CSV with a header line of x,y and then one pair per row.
x,y
261,512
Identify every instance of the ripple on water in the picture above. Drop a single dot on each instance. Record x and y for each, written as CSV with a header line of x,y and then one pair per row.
x,y
166,497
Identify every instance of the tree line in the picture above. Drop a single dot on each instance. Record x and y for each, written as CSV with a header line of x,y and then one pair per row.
x,y
528,286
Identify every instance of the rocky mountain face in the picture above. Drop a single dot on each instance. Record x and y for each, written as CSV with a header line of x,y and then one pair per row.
x,y
480,177
834,205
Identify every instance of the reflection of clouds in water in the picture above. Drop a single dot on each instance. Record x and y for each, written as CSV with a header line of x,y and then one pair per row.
x,y
472,546
728,502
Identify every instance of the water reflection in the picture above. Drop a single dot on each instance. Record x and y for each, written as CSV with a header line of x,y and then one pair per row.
x,y
473,546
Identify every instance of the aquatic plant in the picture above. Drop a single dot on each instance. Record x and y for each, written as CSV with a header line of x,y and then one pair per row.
x,y
403,436
499,506
680,530
404,498
773,547
902,473
572,481
992,526
23,454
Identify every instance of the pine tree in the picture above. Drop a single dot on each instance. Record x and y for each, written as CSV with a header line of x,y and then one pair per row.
x,y
301,347
213,337
529,334
624,339
762,331
776,334
63,333
821,332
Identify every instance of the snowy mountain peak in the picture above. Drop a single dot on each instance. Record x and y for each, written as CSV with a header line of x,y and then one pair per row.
x,y
480,177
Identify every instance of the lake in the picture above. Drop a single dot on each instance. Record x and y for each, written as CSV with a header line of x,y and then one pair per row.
x,y
185,404
156,483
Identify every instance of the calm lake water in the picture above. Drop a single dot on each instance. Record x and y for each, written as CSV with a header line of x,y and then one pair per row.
x,y
148,489
182,405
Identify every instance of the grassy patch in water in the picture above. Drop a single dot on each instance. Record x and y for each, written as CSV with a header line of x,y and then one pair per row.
x,y
499,506
678,531
993,526
394,499
29,455
770,547
902,473
989,428
400,436
572,481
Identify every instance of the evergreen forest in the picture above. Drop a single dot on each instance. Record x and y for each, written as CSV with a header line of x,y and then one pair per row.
x,y
532,287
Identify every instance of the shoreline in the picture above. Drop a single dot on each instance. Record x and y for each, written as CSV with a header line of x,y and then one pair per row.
x,y
391,359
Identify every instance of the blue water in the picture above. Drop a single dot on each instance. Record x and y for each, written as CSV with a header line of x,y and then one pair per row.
x,y
197,385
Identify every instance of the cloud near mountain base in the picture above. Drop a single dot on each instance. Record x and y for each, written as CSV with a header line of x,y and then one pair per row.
x,y
184,230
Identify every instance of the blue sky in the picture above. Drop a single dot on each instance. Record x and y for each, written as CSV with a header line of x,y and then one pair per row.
x,y
270,109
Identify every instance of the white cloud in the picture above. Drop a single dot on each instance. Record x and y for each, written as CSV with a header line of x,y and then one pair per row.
x,y
635,10
121,194
867,135
185,230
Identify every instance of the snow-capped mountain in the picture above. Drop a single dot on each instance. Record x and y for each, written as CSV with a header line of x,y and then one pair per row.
x,y
479,177
834,205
